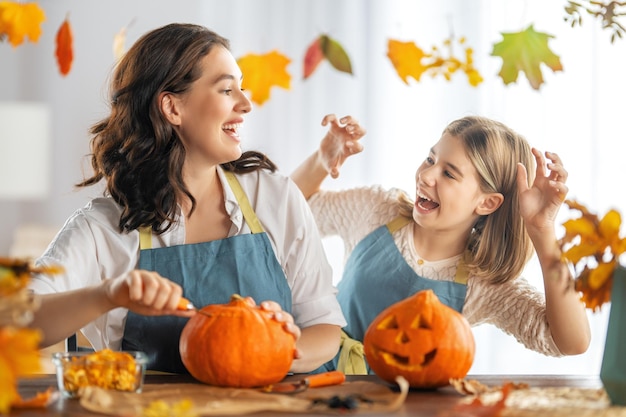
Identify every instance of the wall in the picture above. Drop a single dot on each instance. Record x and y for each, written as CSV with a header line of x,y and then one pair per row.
x,y
573,113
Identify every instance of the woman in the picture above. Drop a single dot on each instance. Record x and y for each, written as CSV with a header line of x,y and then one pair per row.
x,y
478,214
184,212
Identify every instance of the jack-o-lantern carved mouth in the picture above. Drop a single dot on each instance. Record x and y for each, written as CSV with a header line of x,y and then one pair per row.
x,y
406,346
404,362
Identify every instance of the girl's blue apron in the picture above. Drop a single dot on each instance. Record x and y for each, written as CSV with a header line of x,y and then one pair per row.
x,y
209,273
376,276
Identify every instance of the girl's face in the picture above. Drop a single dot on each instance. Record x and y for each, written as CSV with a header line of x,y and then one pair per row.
x,y
448,195
211,112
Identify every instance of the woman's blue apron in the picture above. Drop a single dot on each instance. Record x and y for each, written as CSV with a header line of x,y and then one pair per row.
x,y
209,273
375,277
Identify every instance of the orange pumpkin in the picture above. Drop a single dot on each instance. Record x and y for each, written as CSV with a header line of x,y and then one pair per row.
x,y
236,345
421,339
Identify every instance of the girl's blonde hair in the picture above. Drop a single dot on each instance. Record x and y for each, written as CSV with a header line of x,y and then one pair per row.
x,y
499,246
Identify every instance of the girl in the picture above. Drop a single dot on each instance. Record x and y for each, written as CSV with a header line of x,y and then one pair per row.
x,y
477,215
184,211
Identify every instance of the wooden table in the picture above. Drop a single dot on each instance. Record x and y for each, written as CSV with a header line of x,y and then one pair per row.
x,y
418,403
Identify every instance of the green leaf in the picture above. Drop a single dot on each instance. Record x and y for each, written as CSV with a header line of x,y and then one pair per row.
x,y
335,54
525,51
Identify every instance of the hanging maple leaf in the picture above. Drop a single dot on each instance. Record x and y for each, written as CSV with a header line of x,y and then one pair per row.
x,y
119,42
406,58
262,72
327,48
19,20
525,51
64,47
410,60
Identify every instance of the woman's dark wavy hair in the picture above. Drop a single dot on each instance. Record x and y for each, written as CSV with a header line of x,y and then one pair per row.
x,y
135,149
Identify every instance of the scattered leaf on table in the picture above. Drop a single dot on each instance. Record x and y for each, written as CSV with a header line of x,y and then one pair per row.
x,y
19,20
406,58
64,47
262,72
525,51
476,408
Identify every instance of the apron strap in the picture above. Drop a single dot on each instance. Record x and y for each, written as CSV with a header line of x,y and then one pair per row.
x,y
351,357
398,223
145,232
248,214
461,270
145,237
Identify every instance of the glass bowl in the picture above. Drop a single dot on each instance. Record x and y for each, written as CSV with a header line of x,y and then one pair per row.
x,y
120,371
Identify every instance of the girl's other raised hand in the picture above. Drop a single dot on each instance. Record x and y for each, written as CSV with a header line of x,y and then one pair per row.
x,y
341,141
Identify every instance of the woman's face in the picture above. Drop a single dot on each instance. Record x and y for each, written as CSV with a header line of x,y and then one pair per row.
x,y
448,195
211,111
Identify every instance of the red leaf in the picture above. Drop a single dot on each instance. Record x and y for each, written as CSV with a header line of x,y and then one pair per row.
x,y
314,55
64,50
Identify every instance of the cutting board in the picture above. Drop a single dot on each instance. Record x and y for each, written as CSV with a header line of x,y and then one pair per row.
x,y
205,400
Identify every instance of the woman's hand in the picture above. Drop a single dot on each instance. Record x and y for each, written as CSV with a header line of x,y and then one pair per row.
x,y
283,317
341,141
540,203
145,292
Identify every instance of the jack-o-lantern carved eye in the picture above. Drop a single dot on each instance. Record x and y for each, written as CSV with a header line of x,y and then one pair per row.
x,y
421,339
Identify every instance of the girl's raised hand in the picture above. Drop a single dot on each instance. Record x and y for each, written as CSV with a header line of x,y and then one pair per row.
x,y
341,141
540,203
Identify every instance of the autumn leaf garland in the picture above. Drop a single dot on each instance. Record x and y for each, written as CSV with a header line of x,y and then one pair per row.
x,y
526,51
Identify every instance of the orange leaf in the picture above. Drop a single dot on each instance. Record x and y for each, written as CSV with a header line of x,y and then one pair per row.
x,y
314,55
19,20
64,51
19,355
262,72
406,58
40,400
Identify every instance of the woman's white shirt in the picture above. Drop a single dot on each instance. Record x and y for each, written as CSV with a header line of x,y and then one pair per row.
x,y
91,248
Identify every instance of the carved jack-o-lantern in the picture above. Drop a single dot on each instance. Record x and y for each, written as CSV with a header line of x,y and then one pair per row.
x,y
421,339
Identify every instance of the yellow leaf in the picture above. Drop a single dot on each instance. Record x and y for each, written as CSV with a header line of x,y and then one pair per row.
x,y
19,356
525,51
406,58
119,42
19,20
610,225
600,275
8,387
262,72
